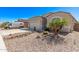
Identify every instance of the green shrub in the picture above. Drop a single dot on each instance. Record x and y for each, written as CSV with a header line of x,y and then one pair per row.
x,y
46,29
45,32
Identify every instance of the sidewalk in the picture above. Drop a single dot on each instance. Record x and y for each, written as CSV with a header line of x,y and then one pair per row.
x,y
2,45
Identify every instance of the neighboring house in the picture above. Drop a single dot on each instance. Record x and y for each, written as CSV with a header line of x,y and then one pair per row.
x,y
37,23
16,25
24,21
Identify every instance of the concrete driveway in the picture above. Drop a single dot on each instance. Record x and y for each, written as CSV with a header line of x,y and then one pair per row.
x,y
7,32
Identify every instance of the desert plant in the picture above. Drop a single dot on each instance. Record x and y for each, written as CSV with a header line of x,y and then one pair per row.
x,y
45,33
4,25
56,25
46,29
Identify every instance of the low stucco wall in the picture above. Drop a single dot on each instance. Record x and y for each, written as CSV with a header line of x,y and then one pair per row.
x,y
67,28
76,27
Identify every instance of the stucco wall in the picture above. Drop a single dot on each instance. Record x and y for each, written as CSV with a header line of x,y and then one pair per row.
x,y
36,22
38,26
68,17
76,27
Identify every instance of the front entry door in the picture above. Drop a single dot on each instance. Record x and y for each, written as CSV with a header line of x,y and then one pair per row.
x,y
34,28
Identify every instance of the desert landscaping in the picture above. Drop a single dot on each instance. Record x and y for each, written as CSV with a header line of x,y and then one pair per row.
x,y
35,42
52,32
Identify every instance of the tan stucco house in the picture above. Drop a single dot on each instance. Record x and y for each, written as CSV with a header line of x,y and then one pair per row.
x,y
16,25
25,22
39,23
70,19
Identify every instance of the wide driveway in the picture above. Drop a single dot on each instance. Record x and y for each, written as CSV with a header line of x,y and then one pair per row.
x,y
2,45
7,32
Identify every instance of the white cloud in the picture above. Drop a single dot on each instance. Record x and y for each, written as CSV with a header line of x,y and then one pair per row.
x,y
3,19
7,19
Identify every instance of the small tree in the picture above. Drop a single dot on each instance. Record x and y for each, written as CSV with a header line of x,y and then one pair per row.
x,y
56,25
4,25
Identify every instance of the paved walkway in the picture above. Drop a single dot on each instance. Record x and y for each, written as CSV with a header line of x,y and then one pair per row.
x,y
7,32
2,45
11,31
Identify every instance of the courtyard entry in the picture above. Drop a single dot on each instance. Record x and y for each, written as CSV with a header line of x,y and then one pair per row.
x,y
34,28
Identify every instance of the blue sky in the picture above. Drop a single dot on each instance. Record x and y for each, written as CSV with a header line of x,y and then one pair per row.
x,y
13,13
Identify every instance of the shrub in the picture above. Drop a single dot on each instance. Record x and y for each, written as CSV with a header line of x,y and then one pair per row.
x,y
45,32
46,29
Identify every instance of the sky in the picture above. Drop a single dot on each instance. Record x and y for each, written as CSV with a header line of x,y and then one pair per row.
x,y
11,14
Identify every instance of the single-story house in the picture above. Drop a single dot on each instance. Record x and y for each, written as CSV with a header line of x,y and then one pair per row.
x,y
70,20
39,23
25,22
16,25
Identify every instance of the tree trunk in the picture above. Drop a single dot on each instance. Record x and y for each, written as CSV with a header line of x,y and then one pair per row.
x,y
56,31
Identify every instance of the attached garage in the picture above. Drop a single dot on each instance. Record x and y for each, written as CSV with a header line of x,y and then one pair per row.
x,y
37,23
